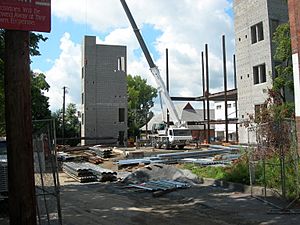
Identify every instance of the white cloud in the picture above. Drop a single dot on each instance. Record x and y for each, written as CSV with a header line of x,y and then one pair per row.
x,y
185,27
65,72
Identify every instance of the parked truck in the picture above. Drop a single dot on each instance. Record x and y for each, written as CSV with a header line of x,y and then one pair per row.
x,y
178,134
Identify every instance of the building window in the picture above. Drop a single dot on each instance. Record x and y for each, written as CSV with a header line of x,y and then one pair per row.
x,y
121,115
82,118
219,106
82,98
259,74
121,64
257,33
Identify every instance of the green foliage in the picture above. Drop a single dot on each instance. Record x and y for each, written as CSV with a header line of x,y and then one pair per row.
x,y
72,124
40,104
238,172
140,101
207,172
282,40
39,85
34,43
283,81
278,105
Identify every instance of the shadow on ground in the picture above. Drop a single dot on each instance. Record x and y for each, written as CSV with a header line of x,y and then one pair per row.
x,y
117,204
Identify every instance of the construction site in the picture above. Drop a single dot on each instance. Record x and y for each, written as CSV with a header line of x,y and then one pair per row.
x,y
227,162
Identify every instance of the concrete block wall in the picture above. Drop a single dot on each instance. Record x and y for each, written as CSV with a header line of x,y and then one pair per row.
x,y
248,13
104,90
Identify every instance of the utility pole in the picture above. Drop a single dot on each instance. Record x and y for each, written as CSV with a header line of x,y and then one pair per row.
x,y
294,17
22,201
63,113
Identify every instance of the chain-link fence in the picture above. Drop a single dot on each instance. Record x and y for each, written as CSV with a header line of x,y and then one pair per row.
x,y
46,176
274,165
46,173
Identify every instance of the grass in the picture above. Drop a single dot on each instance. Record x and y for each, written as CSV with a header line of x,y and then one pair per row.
x,y
238,172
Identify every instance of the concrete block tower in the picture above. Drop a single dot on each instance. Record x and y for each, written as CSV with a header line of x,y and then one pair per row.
x,y
255,23
104,92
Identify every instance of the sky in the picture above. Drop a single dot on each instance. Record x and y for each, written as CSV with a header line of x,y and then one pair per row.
x,y
182,26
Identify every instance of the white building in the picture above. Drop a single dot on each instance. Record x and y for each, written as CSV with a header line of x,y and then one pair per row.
x,y
220,129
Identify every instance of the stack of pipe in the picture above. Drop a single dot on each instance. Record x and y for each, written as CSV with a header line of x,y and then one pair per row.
x,y
88,172
102,152
102,174
79,172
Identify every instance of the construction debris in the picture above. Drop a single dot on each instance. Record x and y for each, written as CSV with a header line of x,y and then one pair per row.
x,y
161,172
160,187
226,154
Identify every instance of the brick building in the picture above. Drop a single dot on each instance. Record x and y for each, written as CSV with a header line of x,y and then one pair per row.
x,y
294,17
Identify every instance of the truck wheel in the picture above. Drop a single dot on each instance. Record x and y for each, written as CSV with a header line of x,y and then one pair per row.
x,y
166,146
180,146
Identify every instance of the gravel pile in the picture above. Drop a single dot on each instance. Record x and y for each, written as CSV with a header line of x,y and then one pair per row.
x,y
161,172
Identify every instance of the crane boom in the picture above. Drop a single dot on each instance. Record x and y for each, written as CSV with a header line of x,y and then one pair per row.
x,y
153,68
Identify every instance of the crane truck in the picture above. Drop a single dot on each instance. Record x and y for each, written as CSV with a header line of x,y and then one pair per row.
x,y
177,135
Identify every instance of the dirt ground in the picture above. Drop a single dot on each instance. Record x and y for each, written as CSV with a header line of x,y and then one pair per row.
x,y
116,204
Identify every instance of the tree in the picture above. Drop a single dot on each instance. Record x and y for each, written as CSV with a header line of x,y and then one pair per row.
x,y
140,101
40,104
280,107
283,56
72,124
42,101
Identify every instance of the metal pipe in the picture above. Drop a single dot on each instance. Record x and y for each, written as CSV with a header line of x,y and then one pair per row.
x,y
235,102
203,89
225,88
207,94
167,82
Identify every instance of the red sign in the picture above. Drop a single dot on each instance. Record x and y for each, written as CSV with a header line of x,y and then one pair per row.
x,y
29,15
